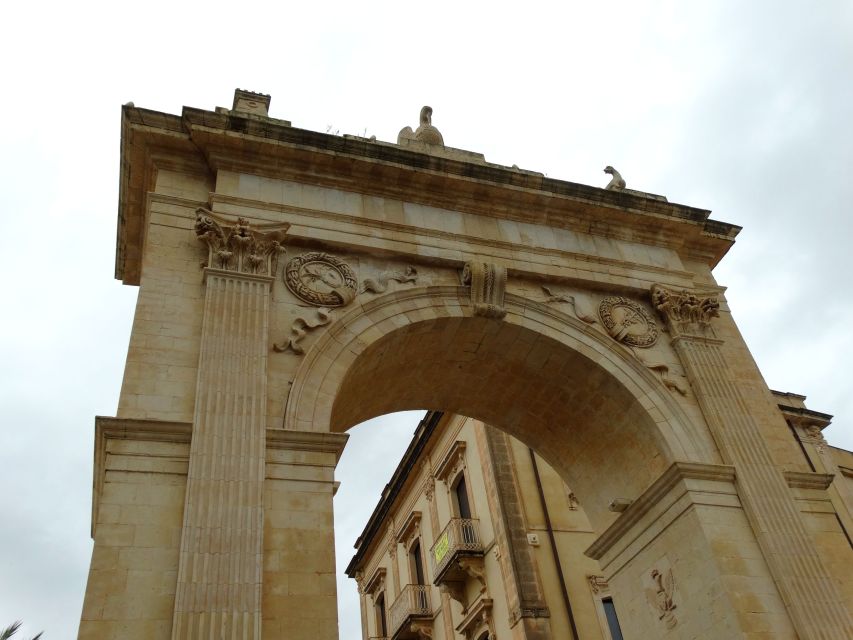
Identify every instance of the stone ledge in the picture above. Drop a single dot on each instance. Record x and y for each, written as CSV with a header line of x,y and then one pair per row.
x,y
808,480
107,428
677,472
146,430
307,441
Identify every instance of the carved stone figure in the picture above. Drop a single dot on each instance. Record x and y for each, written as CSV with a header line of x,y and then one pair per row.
x,y
670,383
424,133
380,284
582,315
660,597
617,182
321,279
627,322
488,285
238,247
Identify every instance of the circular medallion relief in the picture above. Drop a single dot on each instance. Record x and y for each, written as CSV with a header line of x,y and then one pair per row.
x,y
321,279
628,322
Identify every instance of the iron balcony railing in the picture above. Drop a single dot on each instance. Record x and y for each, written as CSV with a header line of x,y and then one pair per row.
x,y
460,535
412,602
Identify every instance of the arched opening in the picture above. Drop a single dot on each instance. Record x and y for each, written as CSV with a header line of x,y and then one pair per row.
x,y
592,411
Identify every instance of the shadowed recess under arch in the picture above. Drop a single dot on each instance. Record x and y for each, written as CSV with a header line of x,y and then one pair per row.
x,y
578,401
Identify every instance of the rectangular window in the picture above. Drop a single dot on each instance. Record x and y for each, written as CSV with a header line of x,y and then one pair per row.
x,y
612,620
380,615
417,563
462,499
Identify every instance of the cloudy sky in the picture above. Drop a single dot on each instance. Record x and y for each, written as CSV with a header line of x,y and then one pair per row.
x,y
740,107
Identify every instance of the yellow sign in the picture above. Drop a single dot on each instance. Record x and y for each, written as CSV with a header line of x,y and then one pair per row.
x,y
441,548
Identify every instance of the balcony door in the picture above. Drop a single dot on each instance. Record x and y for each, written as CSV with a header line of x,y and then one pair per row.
x,y
416,563
463,507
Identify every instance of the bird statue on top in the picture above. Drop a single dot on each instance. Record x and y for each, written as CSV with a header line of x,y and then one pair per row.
x,y
617,182
424,133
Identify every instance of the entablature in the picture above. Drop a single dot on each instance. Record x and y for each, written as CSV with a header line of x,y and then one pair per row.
x,y
267,147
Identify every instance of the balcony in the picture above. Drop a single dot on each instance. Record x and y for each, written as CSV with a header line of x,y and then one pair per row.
x,y
460,539
410,612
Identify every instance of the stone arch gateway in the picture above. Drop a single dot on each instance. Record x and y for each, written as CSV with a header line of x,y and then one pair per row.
x,y
293,284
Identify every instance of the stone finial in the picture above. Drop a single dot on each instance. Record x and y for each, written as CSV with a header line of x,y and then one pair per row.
x,y
425,133
251,102
617,182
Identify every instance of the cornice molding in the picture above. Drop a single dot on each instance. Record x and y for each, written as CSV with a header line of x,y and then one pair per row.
x,y
411,525
263,147
808,480
451,460
108,428
317,441
442,237
676,473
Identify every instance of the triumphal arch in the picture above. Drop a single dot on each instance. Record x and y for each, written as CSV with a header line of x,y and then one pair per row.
x,y
293,284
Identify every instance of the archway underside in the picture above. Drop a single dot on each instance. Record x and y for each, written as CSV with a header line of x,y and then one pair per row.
x,y
574,411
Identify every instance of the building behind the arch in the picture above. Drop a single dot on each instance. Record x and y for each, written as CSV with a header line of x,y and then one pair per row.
x,y
294,283
476,536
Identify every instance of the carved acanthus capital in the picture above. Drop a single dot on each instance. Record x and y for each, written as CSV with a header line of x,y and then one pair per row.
x,y
488,286
812,434
685,312
237,246
359,581
429,488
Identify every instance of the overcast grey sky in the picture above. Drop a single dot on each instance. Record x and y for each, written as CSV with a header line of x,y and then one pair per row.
x,y
740,107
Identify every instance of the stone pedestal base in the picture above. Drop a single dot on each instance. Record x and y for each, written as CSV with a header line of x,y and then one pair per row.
x,y
299,587
683,562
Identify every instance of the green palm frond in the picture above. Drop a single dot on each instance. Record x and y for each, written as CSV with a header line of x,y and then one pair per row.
x,y
12,629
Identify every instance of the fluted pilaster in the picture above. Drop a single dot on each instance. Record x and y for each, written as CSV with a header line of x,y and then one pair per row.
x,y
219,573
812,599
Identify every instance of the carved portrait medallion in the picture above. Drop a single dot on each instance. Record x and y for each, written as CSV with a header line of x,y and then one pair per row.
x,y
321,279
627,322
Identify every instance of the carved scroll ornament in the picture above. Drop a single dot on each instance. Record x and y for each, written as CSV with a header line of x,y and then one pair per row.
x,y
321,279
488,286
236,246
299,328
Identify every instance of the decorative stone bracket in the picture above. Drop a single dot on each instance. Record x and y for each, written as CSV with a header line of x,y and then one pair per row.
x,y
473,567
488,286
236,246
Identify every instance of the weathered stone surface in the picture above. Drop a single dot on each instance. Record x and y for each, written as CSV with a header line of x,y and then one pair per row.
x,y
194,473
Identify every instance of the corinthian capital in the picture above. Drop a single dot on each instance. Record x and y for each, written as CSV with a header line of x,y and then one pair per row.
x,y
236,246
685,311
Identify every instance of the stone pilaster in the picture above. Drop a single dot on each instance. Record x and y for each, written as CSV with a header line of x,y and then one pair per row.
x,y
429,492
220,567
518,566
811,598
